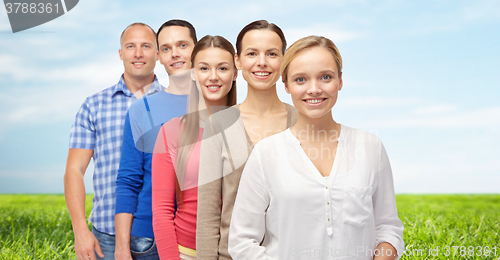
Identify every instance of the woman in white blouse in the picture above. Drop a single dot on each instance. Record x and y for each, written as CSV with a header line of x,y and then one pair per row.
x,y
319,190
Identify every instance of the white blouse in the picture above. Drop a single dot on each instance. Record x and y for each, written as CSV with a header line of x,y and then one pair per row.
x,y
285,208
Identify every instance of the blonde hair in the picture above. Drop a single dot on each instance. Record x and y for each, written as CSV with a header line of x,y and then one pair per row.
x,y
306,43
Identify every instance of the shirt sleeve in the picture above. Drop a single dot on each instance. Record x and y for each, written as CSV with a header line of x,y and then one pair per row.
x,y
83,132
209,195
163,199
388,227
248,223
130,177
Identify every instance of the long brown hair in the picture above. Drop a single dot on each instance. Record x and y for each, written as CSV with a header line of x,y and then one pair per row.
x,y
190,132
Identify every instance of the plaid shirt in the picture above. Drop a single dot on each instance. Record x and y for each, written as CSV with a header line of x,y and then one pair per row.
x,y
99,126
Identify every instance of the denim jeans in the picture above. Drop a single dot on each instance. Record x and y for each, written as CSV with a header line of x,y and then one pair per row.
x,y
143,248
107,243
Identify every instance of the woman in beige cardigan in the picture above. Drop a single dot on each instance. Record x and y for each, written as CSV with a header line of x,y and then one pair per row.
x,y
231,134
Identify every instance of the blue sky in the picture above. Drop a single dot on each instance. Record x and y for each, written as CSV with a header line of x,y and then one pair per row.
x,y
422,75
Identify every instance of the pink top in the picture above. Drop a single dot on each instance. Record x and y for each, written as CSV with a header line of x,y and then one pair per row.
x,y
173,228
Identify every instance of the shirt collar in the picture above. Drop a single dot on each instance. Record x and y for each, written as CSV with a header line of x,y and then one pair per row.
x,y
121,86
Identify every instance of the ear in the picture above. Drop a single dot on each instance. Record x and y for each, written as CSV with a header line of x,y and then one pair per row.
x,y
235,75
286,88
120,53
237,62
340,82
157,55
194,77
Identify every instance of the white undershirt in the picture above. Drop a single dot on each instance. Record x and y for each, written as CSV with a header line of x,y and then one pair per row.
x,y
300,214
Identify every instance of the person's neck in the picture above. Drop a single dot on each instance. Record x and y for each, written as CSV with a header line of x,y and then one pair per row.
x,y
316,129
138,86
179,83
215,106
261,102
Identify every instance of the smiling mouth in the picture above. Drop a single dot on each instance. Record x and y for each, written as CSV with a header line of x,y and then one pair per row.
x,y
214,88
261,74
177,64
314,101
138,63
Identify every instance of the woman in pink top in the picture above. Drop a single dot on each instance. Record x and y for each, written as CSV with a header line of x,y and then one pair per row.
x,y
177,150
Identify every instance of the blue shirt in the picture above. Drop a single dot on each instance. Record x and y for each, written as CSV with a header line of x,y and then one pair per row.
x,y
99,126
133,185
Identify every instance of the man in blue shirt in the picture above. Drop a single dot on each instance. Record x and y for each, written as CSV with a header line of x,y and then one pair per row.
x,y
97,133
134,220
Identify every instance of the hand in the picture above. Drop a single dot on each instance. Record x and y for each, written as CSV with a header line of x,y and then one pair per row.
x,y
122,253
85,243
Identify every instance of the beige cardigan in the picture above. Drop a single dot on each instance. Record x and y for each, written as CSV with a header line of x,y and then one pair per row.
x,y
224,151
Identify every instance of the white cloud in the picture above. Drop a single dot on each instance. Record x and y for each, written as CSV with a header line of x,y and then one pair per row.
x,y
375,101
483,117
4,22
434,109
294,34
481,11
451,176
11,66
69,86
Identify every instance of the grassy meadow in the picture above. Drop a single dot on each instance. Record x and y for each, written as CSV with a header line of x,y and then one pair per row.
x,y
436,226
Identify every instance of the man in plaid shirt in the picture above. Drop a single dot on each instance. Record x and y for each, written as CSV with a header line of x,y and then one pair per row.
x,y
98,133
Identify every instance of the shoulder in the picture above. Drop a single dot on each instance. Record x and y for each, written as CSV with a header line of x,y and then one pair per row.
x,y
354,135
291,109
225,118
172,123
101,95
108,95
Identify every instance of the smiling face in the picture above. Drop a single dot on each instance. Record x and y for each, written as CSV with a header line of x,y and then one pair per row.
x,y
215,72
175,47
260,58
313,82
138,52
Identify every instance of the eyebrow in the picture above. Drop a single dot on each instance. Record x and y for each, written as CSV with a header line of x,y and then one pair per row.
x,y
220,63
182,41
304,73
141,43
254,49
329,71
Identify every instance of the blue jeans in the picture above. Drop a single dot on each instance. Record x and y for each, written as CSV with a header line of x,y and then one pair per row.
x,y
107,243
143,248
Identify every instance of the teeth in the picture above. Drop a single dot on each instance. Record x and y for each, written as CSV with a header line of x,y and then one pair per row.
x,y
262,73
314,101
178,63
213,87
138,63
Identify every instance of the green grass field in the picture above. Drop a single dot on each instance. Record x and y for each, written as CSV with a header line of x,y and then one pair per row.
x,y
436,226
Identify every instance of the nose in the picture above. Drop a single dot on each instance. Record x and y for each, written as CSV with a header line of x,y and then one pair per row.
x,y
175,52
262,61
314,88
138,52
213,75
